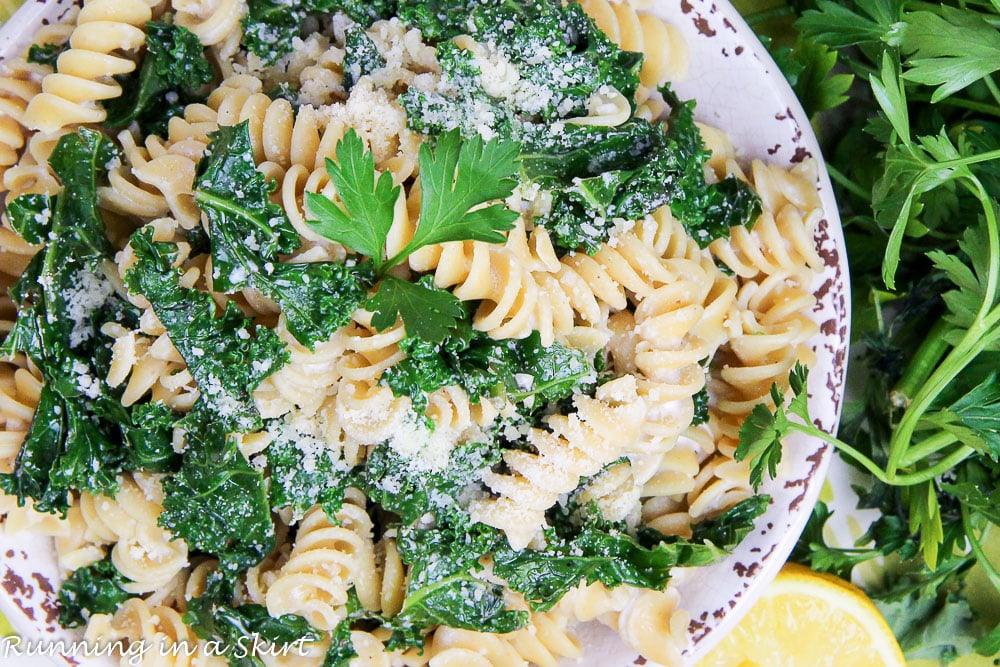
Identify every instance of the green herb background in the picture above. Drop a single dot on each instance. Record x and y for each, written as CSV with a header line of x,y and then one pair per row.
x,y
903,97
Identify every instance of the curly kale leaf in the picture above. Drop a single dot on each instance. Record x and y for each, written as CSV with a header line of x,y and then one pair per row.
x,y
361,57
63,298
595,554
390,480
228,356
217,502
305,471
46,54
95,589
662,166
174,69
444,589
149,433
524,370
247,229
561,57
270,26
248,233
605,552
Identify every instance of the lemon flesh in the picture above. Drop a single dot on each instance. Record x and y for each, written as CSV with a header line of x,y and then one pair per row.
x,y
805,619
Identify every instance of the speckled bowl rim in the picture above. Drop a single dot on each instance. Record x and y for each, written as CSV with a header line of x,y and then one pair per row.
x,y
739,89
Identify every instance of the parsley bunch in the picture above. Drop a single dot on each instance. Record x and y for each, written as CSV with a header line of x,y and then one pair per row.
x,y
914,158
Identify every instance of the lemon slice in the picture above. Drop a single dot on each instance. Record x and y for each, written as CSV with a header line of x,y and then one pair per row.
x,y
805,619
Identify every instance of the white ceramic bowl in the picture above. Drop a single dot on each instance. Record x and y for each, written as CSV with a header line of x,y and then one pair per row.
x,y
739,89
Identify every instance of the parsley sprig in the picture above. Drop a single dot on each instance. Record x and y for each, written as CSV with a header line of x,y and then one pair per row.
x,y
458,179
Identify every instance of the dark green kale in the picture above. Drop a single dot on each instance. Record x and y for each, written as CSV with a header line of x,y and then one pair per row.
x,y
361,57
228,356
523,370
63,298
248,233
562,58
305,470
270,25
172,73
243,632
391,480
604,551
149,436
95,589
664,166
598,176
46,54
217,502
445,586
700,407
439,544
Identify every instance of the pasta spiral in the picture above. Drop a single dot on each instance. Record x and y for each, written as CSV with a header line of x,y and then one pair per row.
x,y
20,82
326,559
775,329
577,445
71,95
168,641
212,22
143,551
781,240
666,53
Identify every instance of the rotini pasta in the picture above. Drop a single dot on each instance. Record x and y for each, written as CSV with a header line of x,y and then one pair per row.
x,y
578,445
168,642
144,552
325,560
72,94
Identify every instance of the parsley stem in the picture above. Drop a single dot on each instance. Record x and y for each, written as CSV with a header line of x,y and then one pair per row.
x,y
924,361
973,342
977,338
988,156
992,86
936,470
926,447
843,181
977,548
961,103
842,447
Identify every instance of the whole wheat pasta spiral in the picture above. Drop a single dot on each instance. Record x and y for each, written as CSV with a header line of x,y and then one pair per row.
x,y
577,445
661,43
20,389
653,624
169,642
665,493
306,382
776,327
20,82
212,22
326,559
543,642
73,547
72,94
143,551
781,240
